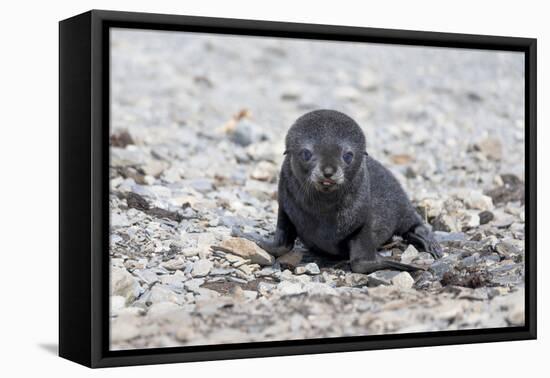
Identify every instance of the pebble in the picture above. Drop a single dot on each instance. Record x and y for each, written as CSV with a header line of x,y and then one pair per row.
x,y
403,280
409,255
310,268
201,268
485,217
356,279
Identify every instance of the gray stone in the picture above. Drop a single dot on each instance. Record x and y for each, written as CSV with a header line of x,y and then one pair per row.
x,y
146,275
440,267
506,249
356,279
193,284
403,280
160,293
485,217
310,268
442,236
174,264
201,268
124,284
381,277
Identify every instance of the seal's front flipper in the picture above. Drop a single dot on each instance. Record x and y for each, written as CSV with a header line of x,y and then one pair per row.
x,y
422,238
283,240
368,266
271,246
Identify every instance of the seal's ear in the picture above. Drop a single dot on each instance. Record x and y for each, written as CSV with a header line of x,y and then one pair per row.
x,y
366,153
284,153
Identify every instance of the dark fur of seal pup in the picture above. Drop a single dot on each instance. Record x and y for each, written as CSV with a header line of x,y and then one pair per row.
x,y
340,201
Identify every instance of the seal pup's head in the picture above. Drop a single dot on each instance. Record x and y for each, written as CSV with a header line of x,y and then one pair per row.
x,y
326,149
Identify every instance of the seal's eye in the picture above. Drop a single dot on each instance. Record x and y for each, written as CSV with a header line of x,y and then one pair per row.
x,y
306,154
348,157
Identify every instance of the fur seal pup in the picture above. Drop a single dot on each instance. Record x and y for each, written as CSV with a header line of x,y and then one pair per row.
x,y
339,200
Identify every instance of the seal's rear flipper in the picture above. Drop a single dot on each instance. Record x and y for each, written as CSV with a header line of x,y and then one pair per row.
x,y
366,266
394,265
422,238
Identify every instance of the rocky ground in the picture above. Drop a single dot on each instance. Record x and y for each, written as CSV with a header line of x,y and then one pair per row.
x,y
197,128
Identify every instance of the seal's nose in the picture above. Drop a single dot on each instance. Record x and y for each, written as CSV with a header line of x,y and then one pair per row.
x,y
328,172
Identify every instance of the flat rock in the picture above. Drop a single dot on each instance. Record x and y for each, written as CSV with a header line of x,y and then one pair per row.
x,y
502,219
160,293
442,236
247,250
201,268
193,285
381,277
506,249
174,264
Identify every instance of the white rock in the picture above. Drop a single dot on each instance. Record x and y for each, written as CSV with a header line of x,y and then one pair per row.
x,y
124,284
201,268
312,268
432,206
193,285
409,255
468,220
403,280
160,294
118,302
162,308
247,250
290,288
474,199
318,288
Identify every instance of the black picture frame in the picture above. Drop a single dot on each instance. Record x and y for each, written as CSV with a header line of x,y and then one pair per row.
x,y
84,187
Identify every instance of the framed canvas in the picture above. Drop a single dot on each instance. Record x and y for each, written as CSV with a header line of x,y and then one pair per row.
x,y
234,188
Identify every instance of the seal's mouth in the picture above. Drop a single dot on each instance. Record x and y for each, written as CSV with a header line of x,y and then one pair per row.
x,y
326,184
